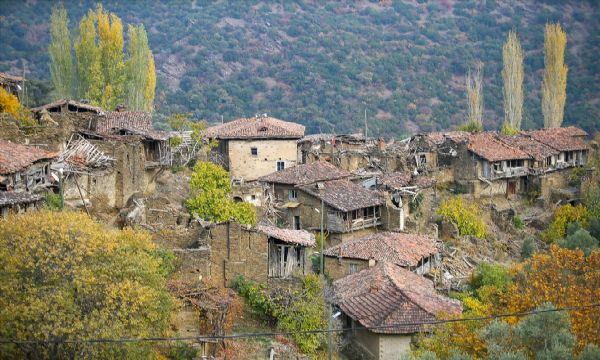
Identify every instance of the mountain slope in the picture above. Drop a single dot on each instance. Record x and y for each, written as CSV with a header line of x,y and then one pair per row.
x,y
322,65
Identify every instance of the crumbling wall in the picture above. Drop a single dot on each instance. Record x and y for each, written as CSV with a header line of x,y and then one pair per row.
x,y
553,180
93,184
337,268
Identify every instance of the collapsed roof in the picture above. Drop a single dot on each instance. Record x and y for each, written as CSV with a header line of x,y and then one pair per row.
x,y
297,237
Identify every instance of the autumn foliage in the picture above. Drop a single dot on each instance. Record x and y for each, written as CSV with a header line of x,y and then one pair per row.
x,y
65,277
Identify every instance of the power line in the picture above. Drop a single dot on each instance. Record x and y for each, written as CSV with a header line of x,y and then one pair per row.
x,y
318,331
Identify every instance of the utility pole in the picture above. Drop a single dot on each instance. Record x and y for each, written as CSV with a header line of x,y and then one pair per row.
x,y
322,238
62,188
366,128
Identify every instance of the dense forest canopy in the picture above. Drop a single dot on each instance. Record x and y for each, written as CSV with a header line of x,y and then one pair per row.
x,y
322,64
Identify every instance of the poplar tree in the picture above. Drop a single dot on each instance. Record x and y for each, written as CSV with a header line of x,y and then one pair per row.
x,y
512,74
475,98
61,62
110,42
554,83
141,79
87,53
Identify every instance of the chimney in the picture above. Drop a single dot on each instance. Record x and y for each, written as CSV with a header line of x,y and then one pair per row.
x,y
381,144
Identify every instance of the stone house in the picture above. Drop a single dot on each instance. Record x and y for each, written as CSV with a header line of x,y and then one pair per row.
x,y
300,192
391,302
24,168
348,152
418,253
253,147
263,254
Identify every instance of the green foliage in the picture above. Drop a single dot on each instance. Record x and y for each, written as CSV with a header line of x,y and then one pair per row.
x,y
472,127
179,121
305,312
580,239
490,275
464,216
508,130
210,187
415,204
61,62
563,216
528,248
71,278
175,141
52,201
518,222
591,199
182,351
167,261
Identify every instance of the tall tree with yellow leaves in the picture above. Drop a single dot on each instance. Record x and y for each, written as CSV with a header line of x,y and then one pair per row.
x,y
61,61
88,56
110,41
141,80
512,75
554,83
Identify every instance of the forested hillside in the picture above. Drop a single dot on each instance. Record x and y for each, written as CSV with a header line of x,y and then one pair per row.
x,y
323,64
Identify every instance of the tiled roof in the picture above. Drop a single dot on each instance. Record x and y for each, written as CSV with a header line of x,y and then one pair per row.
x,y
299,237
16,157
397,248
561,139
256,128
396,180
4,77
12,198
391,299
58,103
344,195
487,146
439,137
130,120
306,174
537,150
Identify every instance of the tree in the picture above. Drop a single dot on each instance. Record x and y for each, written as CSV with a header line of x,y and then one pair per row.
x,y
565,278
61,61
580,239
563,216
67,277
512,75
110,42
87,52
475,96
554,83
141,81
210,186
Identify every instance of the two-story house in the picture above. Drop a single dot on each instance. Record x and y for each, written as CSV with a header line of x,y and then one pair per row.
x,y
253,147
309,193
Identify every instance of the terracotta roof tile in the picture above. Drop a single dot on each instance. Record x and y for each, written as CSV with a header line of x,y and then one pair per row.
x,y
391,298
439,137
16,157
398,248
306,174
487,146
12,198
344,195
537,150
300,237
561,139
396,180
256,128
130,120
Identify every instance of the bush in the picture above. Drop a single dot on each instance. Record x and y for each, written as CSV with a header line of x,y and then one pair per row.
x,y
508,130
182,351
490,275
518,222
415,204
52,201
471,127
528,248
464,216
563,216
580,239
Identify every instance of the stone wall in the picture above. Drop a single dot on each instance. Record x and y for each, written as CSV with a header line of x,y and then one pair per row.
x,y
242,164
337,268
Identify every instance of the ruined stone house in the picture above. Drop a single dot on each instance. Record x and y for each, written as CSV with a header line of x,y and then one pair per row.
x,y
418,253
263,254
11,83
253,147
24,173
392,303
304,193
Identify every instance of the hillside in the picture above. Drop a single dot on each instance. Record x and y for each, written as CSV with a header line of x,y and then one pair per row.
x,y
321,65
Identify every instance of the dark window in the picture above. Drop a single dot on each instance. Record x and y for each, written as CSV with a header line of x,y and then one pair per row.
x,y
353,268
253,197
292,194
297,223
514,163
254,151
549,161
280,165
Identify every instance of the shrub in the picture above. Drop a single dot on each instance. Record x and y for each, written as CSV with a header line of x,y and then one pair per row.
x,y
563,216
182,351
528,248
464,216
508,130
518,222
490,275
52,200
580,239
415,204
471,127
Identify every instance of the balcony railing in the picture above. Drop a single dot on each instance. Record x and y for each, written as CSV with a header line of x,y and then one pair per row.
x,y
337,223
